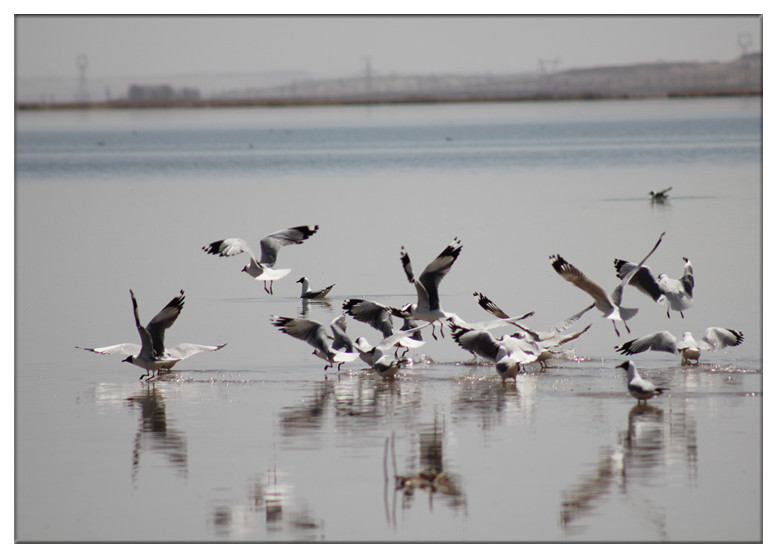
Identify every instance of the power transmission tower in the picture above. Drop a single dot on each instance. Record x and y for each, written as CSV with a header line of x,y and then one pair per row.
x,y
83,91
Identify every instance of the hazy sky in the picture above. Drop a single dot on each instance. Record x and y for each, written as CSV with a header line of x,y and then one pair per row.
x,y
327,46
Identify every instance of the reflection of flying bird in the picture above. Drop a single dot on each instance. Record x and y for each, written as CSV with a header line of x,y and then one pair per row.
x,y
314,334
427,308
263,269
639,388
609,305
714,338
677,294
151,355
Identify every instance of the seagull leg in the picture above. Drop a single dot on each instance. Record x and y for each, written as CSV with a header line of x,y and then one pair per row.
x,y
626,326
616,329
144,375
682,315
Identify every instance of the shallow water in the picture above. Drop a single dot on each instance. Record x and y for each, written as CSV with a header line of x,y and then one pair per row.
x,y
256,443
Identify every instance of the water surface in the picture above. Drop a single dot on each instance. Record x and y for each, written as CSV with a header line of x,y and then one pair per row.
x,y
257,443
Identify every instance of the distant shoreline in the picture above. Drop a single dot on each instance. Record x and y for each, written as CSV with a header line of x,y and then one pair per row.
x,y
367,100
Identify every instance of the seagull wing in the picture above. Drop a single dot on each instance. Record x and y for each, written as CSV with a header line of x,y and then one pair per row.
x,y
488,305
643,279
270,244
163,320
310,331
476,341
718,337
659,341
229,247
570,273
341,340
371,313
185,350
687,278
617,294
120,349
439,267
147,345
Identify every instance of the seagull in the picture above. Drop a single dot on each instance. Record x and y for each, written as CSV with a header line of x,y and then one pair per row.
x,y
378,357
608,305
307,293
181,351
427,308
151,355
689,349
545,339
263,269
508,353
677,294
639,388
314,334
661,195
379,317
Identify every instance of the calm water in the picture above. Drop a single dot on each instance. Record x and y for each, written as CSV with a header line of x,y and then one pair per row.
x,y
255,443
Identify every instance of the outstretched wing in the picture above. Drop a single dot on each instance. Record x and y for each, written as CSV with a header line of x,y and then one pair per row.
x,y
163,320
643,279
310,331
718,337
185,350
659,341
371,313
229,247
439,267
120,349
270,244
476,341
570,273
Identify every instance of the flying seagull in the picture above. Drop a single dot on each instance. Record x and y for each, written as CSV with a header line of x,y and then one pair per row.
x,y
689,349
608,305
677,294
378,357
151,354
639,388
379,316
307,293
263,269
314,334
508,353
427,308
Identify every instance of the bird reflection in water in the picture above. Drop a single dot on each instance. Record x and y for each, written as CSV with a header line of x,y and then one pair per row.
x,y
633,460
306,303
270,501
432,476
155,433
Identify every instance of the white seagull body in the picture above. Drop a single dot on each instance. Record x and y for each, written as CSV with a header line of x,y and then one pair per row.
x,y
608,305
307,293
689,349
263,269
427,308
677,294
314,334
639,388
508,353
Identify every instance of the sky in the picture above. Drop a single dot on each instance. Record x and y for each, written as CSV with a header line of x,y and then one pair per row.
x,y
339,46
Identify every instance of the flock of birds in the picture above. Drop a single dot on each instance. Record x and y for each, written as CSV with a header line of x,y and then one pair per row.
x,y
509,353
